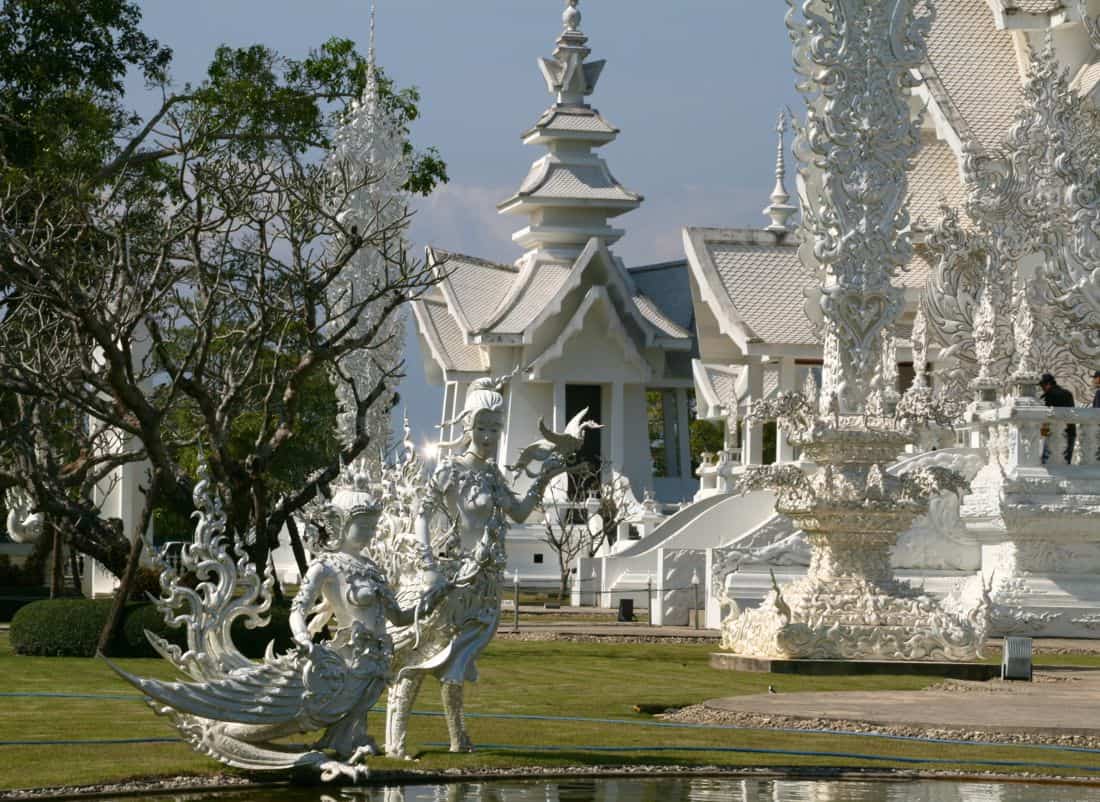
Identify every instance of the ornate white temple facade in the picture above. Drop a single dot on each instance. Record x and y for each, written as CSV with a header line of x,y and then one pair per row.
x,y
582,330
1004,274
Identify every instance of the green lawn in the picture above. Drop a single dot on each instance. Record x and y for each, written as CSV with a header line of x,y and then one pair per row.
x,y
582,680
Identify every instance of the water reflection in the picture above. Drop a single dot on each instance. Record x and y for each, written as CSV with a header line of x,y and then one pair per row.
x,y
675,790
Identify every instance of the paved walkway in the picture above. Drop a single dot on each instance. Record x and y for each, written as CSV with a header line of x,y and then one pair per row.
x,y
1059,702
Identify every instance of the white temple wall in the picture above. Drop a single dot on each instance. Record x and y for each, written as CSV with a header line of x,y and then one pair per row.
x,y
637,465
527,402
680,575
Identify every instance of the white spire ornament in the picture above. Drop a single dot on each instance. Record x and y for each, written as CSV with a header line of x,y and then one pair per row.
x,y
569,195
368,156
780,210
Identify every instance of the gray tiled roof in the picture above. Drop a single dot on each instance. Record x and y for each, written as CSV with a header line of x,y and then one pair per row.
x,y
1087,79
724,384
580,120
934,179
448,338
974,64
653,313
1036,6
477,286
549,179
541,284
765,284
668,285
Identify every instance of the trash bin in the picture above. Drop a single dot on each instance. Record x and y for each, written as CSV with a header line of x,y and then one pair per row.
x,y
626,610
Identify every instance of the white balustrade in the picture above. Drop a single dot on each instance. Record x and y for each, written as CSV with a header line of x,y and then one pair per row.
x,y
1031,436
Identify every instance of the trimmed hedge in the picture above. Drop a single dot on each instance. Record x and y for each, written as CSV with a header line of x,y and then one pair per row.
x,y
71,627
59,627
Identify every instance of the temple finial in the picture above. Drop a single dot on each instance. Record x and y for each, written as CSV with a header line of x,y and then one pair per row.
x,y
571,17
780,210
370,49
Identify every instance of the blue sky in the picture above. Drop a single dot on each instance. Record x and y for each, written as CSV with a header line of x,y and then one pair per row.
x,y
695,86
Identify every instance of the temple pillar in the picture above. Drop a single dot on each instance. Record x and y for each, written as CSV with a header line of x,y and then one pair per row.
x,y
785,452
618,427
752,441
559,406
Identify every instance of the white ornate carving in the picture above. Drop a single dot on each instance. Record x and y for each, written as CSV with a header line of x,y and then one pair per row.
x,y
1037,196
23,526
861,141
238,711
371,148
856,58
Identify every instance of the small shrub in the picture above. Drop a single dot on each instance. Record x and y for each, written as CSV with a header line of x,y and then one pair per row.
x,y
253,642
141,617
59,627
71,628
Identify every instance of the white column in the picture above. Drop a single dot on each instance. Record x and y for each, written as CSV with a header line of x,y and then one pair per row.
x,y
785,451
684,431
618,427
445,415
559,407
752,445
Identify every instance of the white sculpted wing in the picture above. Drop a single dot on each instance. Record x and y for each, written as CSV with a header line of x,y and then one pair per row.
x,y
269,693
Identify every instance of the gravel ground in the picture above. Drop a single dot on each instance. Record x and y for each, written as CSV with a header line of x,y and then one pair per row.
x,y
701,714
592,638
163,785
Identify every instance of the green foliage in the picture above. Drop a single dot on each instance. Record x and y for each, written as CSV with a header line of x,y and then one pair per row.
x,y
138,619
62,67
71,627
27,574
255,99
59,627
706,436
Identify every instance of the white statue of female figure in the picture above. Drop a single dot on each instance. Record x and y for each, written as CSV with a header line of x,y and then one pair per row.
x,y
463,519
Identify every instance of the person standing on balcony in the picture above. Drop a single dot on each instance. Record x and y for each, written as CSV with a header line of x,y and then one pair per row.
x,y
1096,384
1055,395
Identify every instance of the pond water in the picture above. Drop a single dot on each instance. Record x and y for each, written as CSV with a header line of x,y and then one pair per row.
x,y
671,790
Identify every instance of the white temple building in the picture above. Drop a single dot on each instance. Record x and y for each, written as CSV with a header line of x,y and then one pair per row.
x,y
583,329
754,313
755,304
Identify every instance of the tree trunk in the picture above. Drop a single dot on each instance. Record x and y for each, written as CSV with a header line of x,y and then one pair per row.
x,y
296,545
57,564
126,582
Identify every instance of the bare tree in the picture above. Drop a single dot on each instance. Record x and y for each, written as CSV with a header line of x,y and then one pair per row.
x,y
180,299
582,513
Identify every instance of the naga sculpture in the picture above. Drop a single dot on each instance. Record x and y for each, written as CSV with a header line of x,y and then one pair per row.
x,y
462,521
234,709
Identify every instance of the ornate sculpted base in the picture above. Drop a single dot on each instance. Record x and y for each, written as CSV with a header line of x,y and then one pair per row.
x,y
849,605
852,619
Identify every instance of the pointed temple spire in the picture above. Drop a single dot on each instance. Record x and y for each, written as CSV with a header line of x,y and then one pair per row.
x,y
569,194
371,62
780,210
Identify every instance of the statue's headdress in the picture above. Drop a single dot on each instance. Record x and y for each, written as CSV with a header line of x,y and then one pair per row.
x,y
484,395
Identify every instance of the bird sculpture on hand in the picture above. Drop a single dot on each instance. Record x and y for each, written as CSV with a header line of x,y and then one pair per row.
x,y
563,444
